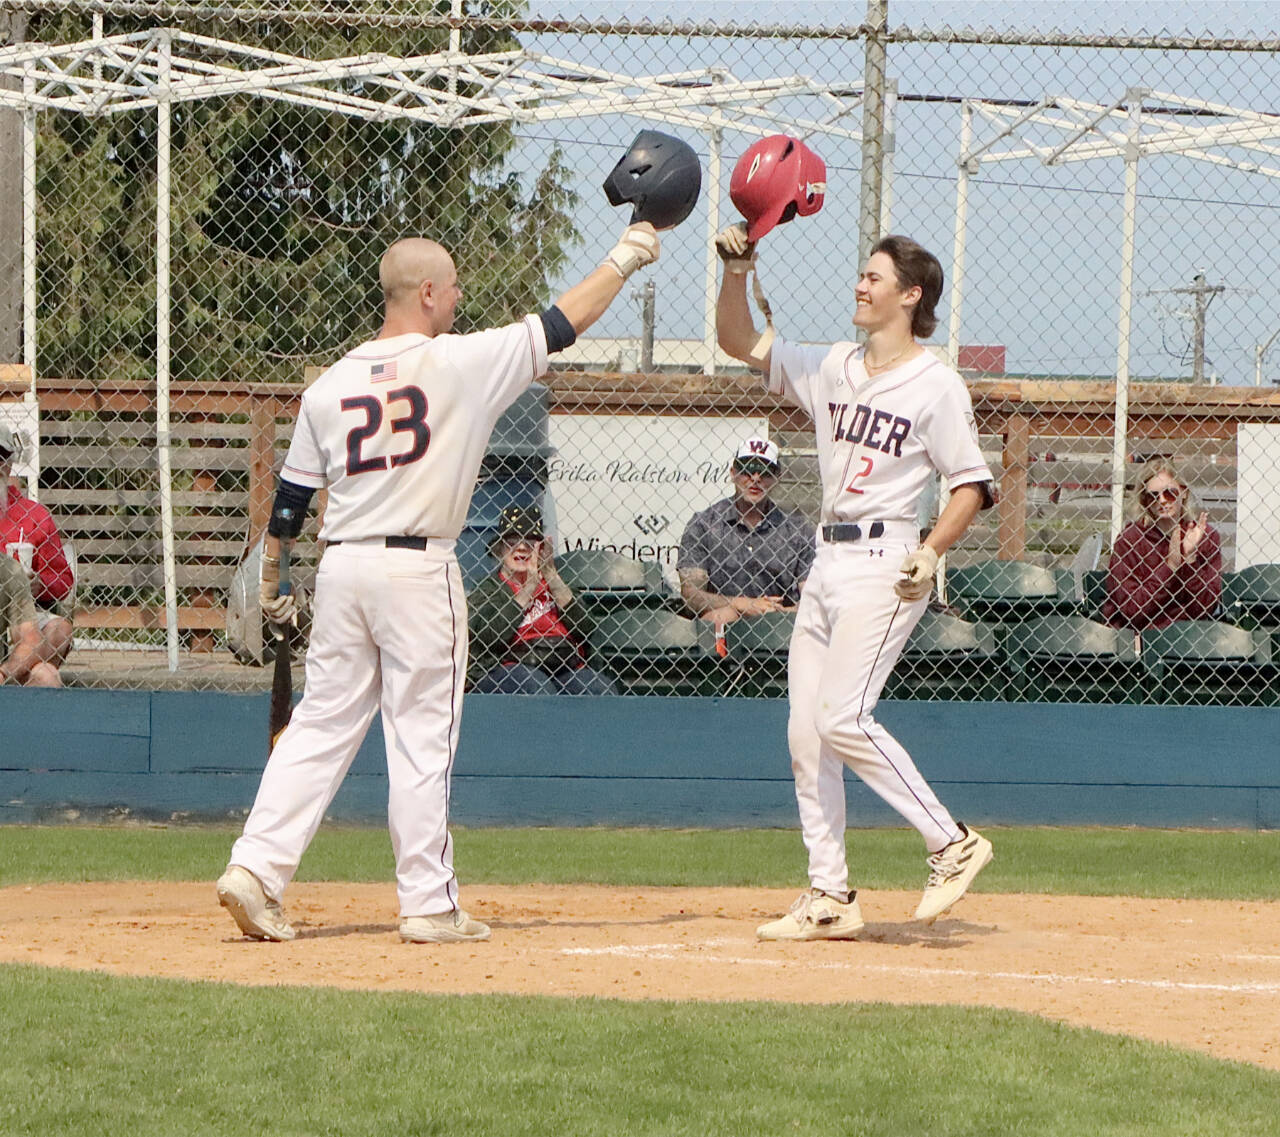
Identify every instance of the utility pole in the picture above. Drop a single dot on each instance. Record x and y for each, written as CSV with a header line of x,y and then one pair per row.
x,y
1259,350
1202,292
648,296
873,96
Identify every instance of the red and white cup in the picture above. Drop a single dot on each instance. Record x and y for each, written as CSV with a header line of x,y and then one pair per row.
x,y
23,552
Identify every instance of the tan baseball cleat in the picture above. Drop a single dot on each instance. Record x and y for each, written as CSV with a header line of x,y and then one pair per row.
x,y
258,916
951,871
443,928
815,916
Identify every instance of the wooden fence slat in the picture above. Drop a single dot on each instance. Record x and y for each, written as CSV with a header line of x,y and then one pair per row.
x,y
147,550
225,501
151,576
127,527
135,617
142,430
81,458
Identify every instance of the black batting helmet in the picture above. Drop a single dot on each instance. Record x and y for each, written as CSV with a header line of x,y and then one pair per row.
x,y
660,176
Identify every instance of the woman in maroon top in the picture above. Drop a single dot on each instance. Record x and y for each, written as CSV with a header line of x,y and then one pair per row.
x,y
1166,564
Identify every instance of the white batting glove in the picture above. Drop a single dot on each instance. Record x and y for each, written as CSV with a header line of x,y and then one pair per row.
x,y
278,609
917,574
738,254
637,247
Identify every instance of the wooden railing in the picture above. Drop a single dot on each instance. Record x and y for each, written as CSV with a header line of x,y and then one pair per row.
x,y
98,445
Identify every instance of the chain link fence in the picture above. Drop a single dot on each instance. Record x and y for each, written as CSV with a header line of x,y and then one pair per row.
x,y
197,198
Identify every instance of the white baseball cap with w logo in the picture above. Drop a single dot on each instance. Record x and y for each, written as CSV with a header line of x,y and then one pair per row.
x,y
756,447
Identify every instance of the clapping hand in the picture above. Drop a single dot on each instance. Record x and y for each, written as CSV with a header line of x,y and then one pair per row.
x,y
1195,534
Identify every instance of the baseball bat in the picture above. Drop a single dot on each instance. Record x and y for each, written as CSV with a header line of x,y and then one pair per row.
x,y
282,679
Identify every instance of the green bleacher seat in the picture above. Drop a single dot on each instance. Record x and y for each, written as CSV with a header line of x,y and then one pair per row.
x,y
1073,659
653,651
602,577
1251,596
1205,661
1004,591
948,657
1095,593
757,648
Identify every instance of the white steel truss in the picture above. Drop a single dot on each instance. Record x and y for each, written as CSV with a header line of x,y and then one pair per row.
x,y
113,74
1142,123
1057,130
154,69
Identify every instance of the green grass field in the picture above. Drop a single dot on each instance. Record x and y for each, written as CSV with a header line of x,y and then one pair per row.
x,y
88,1054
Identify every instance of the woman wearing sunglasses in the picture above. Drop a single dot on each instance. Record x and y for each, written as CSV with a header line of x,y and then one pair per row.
x,y
1167,562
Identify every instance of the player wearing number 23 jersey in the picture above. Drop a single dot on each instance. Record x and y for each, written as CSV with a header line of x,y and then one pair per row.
x,y
887,416
395,431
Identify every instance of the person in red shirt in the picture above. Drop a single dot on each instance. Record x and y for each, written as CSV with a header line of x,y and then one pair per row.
x,y
23,521
1167,563
526,628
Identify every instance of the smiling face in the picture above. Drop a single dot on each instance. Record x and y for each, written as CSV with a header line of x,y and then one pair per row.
x,y
519,555
1163,497
879,301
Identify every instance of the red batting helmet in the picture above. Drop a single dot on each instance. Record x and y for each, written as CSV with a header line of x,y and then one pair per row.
x,y
774,180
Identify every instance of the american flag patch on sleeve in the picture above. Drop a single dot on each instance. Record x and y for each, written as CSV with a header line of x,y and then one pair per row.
x,y
381,372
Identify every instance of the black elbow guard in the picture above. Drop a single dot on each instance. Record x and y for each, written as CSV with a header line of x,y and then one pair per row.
x,y
559,331
289,510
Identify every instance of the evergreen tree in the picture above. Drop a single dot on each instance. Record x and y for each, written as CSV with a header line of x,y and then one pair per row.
x,y
279,214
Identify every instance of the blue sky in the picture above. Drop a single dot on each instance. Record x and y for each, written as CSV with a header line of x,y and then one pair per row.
x,y
1044,243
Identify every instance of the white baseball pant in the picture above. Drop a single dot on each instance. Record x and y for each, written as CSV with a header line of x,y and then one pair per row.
x,y
389,631
850,629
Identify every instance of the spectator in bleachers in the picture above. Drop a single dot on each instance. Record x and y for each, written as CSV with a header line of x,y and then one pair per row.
x,y
1167,562
27,661
24,522
526,628
746,555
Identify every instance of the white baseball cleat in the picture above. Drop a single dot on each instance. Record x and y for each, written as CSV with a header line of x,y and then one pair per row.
x,y
951,871
443,928
815,916
258,916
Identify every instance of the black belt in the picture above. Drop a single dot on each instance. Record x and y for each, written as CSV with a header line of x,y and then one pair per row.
x,y
849,531
419,543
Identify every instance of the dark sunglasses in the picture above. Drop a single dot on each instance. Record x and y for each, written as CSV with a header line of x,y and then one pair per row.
x,y
1169,493
756,466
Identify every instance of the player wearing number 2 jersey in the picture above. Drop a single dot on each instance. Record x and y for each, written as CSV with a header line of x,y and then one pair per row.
x,y
887,415
396,431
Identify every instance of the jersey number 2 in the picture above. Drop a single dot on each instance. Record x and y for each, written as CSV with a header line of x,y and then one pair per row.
x,y
866,469
414,423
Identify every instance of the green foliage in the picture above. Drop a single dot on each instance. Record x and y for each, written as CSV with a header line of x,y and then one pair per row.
x,y
86,1053
279,215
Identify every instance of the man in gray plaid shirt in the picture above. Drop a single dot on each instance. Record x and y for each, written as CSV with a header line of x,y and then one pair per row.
x,y
745,555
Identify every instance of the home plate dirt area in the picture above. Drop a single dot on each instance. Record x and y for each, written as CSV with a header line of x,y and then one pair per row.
x,y
1195,973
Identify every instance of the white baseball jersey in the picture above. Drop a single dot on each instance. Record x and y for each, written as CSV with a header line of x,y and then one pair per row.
x,y
880,439
397,428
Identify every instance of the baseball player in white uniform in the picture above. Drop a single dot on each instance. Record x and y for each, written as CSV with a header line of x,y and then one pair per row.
x,y
395,431
887,415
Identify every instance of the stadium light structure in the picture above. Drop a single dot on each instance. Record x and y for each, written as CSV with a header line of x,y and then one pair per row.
x,y
151,70
1058,130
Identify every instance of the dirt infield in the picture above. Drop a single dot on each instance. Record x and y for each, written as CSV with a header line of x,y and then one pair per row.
x,y
1200,974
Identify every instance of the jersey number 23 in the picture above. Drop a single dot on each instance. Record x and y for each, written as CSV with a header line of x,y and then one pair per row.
x,y
413,423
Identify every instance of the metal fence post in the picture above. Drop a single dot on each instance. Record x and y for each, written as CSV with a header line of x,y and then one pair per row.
x,y
872,128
